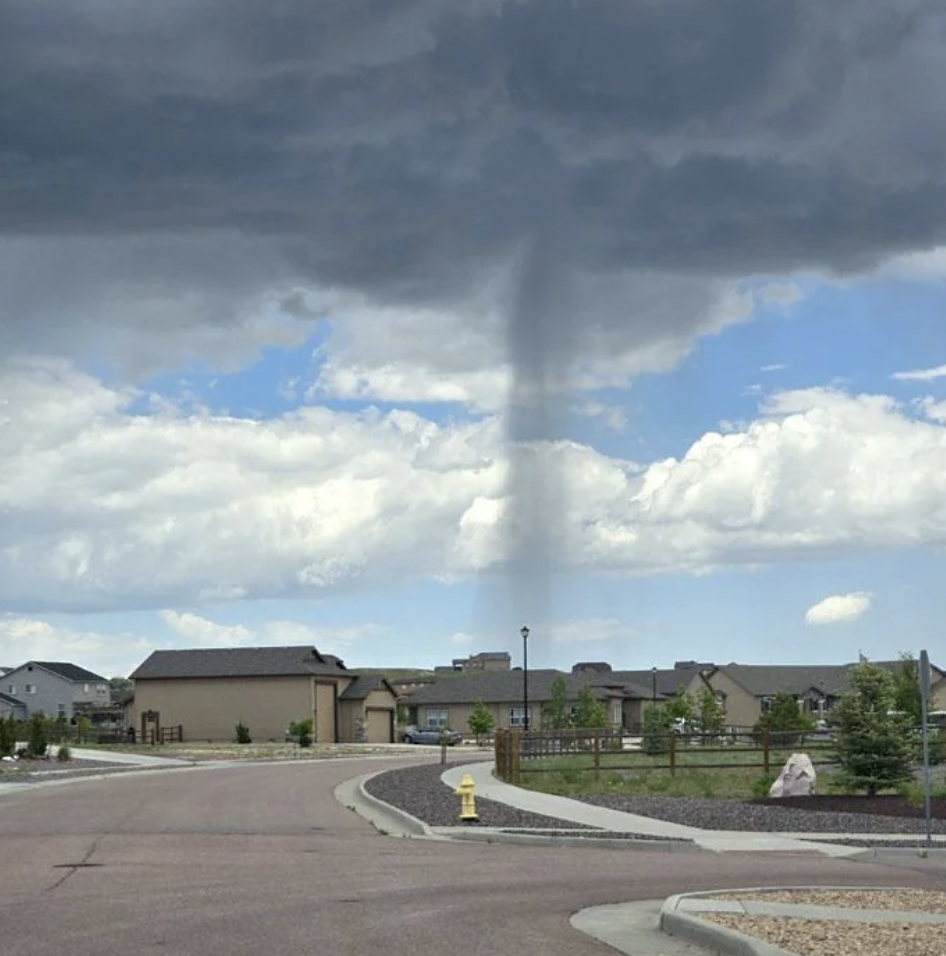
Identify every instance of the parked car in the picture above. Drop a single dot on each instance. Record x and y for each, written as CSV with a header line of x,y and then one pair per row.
x,y
432,735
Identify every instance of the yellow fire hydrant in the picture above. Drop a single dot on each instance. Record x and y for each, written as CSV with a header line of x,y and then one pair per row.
x,y
465,792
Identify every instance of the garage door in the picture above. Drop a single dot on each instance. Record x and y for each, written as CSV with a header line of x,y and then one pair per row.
x,y
379,726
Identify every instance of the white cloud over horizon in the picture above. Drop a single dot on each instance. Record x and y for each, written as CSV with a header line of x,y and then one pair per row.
x,y
838,608
109,508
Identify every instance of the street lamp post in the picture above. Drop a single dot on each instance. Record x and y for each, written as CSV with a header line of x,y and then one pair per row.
x,y
653,685
525,677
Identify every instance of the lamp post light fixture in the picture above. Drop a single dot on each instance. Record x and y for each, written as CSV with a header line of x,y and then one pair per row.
x,y
524,631
653,685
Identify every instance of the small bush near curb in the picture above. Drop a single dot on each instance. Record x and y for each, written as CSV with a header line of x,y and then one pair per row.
x,y
39,735
64,753
762,786
243,734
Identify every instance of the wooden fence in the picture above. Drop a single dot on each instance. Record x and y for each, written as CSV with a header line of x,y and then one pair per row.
x,y
520,753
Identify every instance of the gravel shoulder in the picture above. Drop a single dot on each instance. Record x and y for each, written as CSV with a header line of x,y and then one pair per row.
x,y
835,937
715,814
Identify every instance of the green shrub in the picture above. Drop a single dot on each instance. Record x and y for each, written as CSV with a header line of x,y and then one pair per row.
x,y
243,734
64,753
656,731
39,735
7,736
762,786
303,730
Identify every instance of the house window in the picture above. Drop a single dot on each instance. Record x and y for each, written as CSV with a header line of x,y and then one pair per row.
x,y
85,688
516,716
101,688
30,688
11,689
437,717
61,710
766,705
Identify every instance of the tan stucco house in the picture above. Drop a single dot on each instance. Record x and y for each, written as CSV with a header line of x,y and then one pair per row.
x,y
450,701
746,691
209,691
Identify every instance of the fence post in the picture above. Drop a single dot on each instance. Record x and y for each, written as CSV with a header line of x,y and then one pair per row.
x,y
515,756
597,754
499,752
767,751
673,754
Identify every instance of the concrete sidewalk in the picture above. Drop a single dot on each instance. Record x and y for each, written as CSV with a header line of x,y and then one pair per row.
x,y
718,841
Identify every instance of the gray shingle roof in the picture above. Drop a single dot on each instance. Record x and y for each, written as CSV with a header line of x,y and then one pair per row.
x,y
292,661
14,701
496,687
69,671
797,679
363,685
669,680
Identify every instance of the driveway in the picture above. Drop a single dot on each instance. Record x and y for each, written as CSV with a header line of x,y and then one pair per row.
x,y
261,859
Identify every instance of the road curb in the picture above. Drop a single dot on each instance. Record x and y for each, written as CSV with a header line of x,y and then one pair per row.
x,y
712,936
489,835
384,817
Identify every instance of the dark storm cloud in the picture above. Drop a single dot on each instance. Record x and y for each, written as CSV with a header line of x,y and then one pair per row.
x,y
402,152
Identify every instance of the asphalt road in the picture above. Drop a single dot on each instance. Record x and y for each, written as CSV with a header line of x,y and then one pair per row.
x,y
261,860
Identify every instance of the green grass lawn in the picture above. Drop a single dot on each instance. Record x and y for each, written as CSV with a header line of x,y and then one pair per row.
x,y
735,772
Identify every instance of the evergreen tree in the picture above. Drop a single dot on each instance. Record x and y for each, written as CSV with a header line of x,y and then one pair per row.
x,y
906,688
873,744
7,736
656,730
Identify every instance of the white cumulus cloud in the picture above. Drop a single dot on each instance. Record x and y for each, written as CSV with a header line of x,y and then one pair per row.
x,y
838,608
104,506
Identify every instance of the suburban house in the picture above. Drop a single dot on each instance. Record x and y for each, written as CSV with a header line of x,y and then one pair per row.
x,y
450,702
56,688
209,691
483,661
11,707
746,691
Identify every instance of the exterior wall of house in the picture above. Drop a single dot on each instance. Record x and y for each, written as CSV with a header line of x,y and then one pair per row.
x,y
12,709
633,713
326,696
938,695
742,708
349,712
381,713
51,693
209,709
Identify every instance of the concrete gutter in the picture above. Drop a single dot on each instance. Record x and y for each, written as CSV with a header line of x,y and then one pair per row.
x,y
384,817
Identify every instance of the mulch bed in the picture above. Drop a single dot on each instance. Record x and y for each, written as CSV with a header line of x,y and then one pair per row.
x,y
886,805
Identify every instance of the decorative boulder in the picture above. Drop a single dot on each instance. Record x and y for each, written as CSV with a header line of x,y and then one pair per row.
x,y
797,778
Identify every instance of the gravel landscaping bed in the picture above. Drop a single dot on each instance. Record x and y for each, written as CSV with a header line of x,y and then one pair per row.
x,y
39,771
713,814
420,792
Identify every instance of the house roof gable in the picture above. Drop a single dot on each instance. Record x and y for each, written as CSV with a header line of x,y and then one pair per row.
x,y
366,684
292,661
63,669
